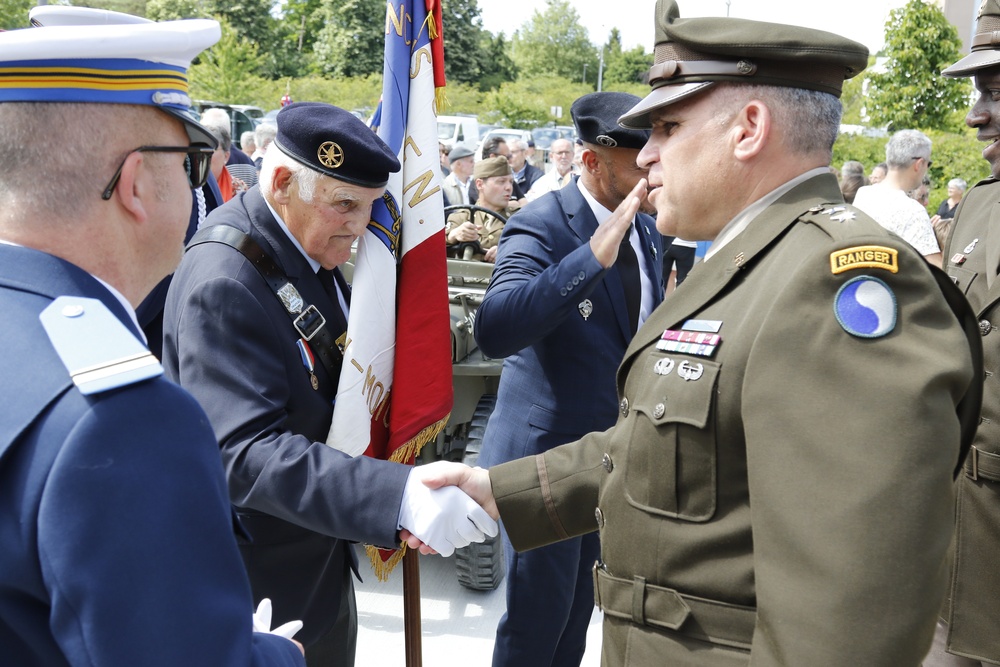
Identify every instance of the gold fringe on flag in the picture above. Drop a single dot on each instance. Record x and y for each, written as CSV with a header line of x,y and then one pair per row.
x,y
403,454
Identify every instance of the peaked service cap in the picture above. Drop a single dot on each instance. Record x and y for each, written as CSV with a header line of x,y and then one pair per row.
x,y
105,58
985,43
596,118
692,54
334,142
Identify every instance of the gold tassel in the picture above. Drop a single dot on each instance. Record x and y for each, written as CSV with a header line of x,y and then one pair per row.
x,y
406,452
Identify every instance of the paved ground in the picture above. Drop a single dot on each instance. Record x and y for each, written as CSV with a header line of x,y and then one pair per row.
x,y
458,624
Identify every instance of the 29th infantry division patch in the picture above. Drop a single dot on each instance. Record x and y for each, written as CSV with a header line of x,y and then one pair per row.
x,y
866,307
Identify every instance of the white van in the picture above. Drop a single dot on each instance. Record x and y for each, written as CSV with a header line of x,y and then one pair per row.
x,y
460,129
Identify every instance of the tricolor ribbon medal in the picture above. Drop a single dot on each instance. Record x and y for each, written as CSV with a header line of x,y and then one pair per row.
x,y
866,307
309,361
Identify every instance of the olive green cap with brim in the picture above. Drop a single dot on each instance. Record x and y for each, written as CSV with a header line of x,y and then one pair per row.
x,y
693,54
492,166
985,43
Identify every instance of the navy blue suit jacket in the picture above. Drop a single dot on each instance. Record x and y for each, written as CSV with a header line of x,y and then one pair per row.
x,y
116,534
229,341
558,379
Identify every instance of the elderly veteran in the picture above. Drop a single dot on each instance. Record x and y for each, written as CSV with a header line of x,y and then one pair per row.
x,y
251,328
562,321
778,486
494,179
967,633
118,544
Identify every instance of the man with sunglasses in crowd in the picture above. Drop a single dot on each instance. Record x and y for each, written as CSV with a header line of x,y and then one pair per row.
x,y
117,535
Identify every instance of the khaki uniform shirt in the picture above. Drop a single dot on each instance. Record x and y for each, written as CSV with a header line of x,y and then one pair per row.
x,y
490,227
786,498
972,258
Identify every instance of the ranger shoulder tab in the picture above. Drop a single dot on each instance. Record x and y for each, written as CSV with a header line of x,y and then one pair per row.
x,y
99,351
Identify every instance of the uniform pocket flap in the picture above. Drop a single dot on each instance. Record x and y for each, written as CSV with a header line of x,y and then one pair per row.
x,y
683,391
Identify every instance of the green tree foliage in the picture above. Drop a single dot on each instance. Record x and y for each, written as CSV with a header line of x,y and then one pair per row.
x,y
352,43
463,41
304,20
554,43
227,72
173,10
496,66
624,67
919,42
14,13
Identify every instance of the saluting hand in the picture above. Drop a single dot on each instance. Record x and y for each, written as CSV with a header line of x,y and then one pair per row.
x,y
608,237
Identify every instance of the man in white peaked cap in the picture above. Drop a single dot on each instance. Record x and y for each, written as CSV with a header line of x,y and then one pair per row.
x,y
116,535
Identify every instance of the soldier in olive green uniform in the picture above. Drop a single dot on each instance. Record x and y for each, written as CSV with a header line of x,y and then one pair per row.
x,y
778,488
970,632
495,182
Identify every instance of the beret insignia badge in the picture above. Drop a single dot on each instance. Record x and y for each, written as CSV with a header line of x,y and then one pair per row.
x,y
330,154
605,140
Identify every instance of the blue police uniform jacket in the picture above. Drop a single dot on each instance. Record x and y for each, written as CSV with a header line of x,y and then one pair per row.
x,y
229,341
116,534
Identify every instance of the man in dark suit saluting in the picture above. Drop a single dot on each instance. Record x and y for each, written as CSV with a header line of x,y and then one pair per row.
x,y
563,320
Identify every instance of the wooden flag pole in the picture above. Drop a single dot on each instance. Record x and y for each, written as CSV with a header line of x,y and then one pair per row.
x,y
411,608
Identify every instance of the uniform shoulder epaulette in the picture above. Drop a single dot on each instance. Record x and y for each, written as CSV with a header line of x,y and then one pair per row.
x,y
836,219
99,351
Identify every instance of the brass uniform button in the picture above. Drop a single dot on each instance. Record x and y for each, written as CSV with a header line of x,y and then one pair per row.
x,y
985,327
608,464
624,407
659,410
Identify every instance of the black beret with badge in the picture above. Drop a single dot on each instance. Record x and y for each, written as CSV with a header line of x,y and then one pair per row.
x,y
334,142
596,118
692,54
985,44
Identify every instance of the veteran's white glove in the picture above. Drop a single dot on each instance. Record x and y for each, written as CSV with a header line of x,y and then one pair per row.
x,y
262,622
444,519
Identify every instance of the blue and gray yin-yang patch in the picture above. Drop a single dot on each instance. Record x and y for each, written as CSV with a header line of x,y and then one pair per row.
x,y
866,307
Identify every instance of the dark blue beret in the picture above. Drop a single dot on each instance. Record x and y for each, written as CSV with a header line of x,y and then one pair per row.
x,y
334,142
596,117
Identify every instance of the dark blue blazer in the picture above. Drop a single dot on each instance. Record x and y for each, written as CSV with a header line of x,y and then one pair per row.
x,y
528,178
558,379
229,341
116,534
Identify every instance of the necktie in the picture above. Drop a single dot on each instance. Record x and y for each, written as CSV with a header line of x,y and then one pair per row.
x,y
628,269
338,325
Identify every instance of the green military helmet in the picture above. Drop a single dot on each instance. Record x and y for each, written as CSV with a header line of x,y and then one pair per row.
x,y
692,54
985,43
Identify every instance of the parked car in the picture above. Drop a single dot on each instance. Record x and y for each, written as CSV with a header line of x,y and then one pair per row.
x,y
459,129
241,121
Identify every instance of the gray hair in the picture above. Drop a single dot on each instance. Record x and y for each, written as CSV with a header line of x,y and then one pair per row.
x,y
305,177
221,135
517,145
247,138
958,183
264,134
810,120
905,146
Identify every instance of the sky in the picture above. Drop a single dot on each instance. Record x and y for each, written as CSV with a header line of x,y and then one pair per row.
x,y
861,20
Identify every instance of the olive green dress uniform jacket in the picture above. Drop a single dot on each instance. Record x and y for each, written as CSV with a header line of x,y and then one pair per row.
x,y
973,612
788,501
490,227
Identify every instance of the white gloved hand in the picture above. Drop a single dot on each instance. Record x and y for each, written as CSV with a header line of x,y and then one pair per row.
x,y
262,622
444,519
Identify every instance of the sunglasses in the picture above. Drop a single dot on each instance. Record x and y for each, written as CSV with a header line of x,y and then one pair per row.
x,y
197,164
